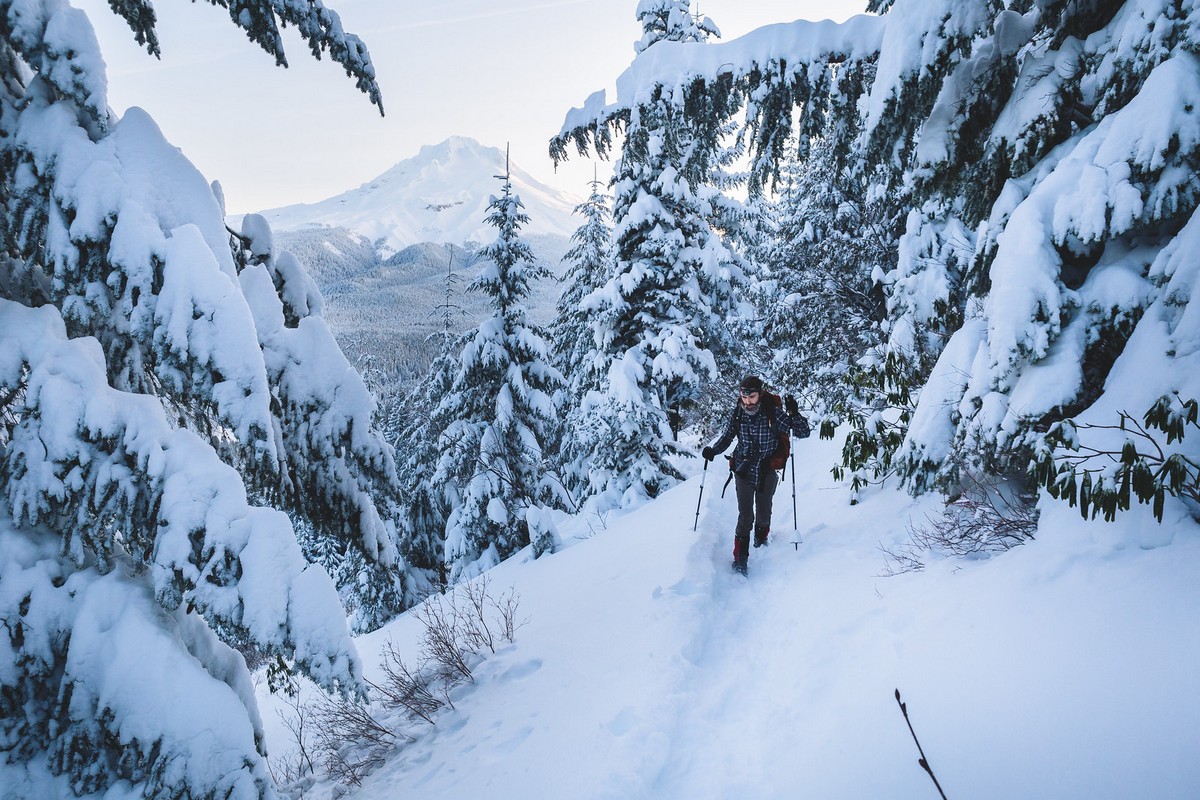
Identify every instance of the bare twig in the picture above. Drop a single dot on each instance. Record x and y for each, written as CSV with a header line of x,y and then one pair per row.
x,y
506,607
408,688
351,741
443,644
475,629
299,724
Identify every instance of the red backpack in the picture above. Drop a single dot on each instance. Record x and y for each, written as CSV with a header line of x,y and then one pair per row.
x,y
779,458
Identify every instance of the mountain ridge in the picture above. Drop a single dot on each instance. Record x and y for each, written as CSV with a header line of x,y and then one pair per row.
x,y
382,253
439,195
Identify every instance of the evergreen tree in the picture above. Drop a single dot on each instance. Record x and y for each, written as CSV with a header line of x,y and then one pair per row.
x,y
672,21
417,426
590,263
494,462
1008,252
337,476
157,381
427,497
660,317
820,296
821,302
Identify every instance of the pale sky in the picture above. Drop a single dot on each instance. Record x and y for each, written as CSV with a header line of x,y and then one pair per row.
x,y
500,72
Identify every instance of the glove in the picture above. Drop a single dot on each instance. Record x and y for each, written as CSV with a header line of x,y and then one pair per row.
x,y
790,406
708,453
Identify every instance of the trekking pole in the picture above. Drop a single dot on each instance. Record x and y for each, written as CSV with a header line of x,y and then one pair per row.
x,y
795,519
796,523
698,499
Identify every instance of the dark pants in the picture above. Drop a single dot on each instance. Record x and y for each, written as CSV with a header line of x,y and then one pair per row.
x,y
754,511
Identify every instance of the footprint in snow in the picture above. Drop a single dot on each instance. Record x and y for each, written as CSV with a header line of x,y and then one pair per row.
x,y
514,741
523,670
683,588
623,722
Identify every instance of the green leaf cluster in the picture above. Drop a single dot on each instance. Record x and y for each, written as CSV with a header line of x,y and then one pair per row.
x,y
1101,481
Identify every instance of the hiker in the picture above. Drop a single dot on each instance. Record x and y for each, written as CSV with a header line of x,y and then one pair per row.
x,y
761,427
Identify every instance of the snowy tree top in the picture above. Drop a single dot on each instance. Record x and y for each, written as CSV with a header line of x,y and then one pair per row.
x,y
671,20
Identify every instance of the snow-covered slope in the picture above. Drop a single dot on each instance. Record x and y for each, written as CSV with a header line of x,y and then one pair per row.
x,y
439,195
1063,669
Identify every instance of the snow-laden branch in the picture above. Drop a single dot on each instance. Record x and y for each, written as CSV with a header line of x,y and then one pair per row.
x,y
675,65
84,451
784,52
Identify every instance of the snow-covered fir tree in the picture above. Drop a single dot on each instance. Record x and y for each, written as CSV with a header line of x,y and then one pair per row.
x,y
820,300
830,237
1043,153
660,319
672,21
820,297
415,431
338,476
590,261
159,385
423,417
494,463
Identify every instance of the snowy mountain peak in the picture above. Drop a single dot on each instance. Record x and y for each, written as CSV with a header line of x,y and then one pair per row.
x,y
439,195
457,147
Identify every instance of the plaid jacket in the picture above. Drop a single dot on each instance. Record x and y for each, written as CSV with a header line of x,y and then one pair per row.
x,y
756,440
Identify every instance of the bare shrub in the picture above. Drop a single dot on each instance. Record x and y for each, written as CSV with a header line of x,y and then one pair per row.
x,y
902,558
985,518
443,644
343,735
459,629
350,741
505,607
475,629
298,764
287,773
971,524
413,690
480,628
